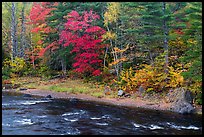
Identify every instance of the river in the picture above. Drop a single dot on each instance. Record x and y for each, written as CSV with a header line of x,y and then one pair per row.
x,y
37,116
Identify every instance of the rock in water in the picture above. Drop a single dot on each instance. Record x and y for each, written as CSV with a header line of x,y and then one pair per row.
x,y
181,100
26,95
182,107
23,89
120,92
48,96
74,100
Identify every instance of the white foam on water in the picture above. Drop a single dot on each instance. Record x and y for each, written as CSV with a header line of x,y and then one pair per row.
x,y
95,118
71,120
31,102
137,125
5,104
73,113
76,132
102,124
182,127
192,127
24,121
153,127
42,116
8,125
105,116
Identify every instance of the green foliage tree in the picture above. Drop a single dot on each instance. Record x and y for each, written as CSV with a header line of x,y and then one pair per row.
x,y
193,56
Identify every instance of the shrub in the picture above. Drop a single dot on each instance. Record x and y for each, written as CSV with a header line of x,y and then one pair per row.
x,y
17,66
150,77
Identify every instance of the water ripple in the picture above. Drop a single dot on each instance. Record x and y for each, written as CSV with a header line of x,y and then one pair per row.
x,y
71,120
102,124
32,102
24,121
93,118
182,127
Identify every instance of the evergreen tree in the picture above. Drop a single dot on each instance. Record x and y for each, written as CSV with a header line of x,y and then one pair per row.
x,y
193,56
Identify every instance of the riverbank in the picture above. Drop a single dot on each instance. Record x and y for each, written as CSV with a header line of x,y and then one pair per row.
x,y
125,102
77,88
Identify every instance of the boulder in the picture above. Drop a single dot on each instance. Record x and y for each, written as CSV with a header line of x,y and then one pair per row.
x,y
181,100
182,107
48,96
26,95
127,95
23,89
180,94
121,92
141,90
74,100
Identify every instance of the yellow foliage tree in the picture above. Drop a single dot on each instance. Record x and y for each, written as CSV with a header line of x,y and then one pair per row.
x,y
111,17
112,13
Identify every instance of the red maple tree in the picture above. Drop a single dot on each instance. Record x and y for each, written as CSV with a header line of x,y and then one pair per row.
x,y
38,14
86,40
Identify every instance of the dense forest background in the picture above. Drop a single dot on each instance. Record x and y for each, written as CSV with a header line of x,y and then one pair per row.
x,y
120,44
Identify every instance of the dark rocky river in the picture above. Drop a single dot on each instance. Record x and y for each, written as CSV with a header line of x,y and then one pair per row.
x,y
38,116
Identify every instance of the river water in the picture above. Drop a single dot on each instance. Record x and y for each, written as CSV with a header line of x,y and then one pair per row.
x,y
38,116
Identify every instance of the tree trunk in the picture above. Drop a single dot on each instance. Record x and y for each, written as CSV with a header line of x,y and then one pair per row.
x,y
63,64
31,47
23,44
104,59
14,47
114,56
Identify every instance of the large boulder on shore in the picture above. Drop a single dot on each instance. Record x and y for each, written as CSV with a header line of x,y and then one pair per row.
x,y
181,100
121,92
182,107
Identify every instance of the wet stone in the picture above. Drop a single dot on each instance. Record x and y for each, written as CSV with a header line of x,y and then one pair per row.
x,y
74,100
23,89
48,96
26,95
181,100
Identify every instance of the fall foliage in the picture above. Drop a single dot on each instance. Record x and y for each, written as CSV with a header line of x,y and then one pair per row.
x,y
123,45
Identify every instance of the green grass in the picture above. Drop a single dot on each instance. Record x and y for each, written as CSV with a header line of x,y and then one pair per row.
x,y
97,94
79,89
69,85
59,89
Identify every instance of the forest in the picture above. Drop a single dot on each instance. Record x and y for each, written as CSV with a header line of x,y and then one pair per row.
x,y
115,45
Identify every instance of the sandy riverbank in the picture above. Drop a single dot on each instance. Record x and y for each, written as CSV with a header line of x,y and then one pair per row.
x,y
119,101
127,102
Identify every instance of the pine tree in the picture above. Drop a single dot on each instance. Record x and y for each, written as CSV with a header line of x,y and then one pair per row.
x,y
193,36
